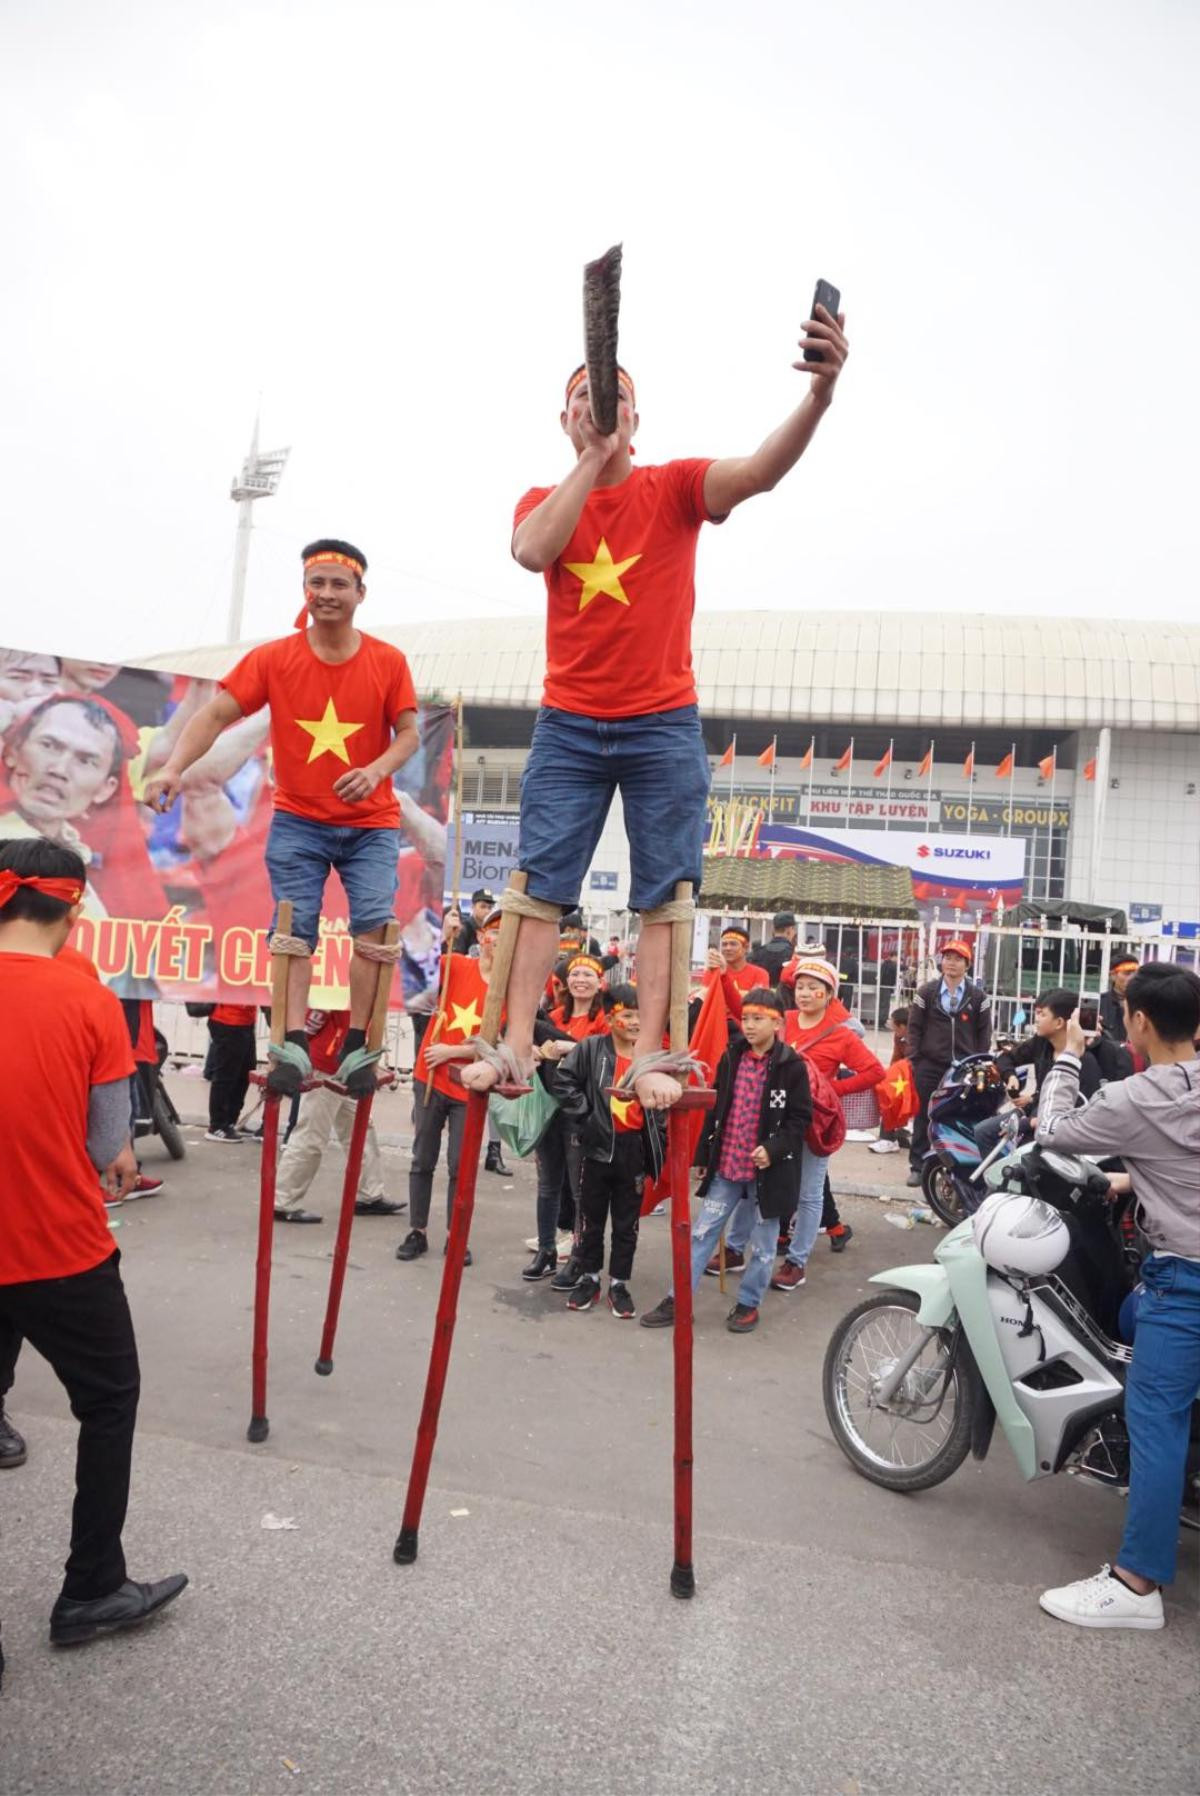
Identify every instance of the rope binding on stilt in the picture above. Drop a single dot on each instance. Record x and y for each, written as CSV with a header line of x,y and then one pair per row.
x,y
520,904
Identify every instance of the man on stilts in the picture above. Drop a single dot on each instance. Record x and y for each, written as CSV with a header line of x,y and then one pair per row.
x,y
615,541
343,720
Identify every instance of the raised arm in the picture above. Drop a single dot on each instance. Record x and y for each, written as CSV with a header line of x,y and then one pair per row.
x,y
729,481
540,538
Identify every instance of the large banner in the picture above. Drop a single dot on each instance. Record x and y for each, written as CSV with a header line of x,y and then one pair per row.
x,y
178,905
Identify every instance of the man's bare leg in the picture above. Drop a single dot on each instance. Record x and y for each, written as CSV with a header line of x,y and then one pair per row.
x,y
533,957
656,1091
364,981
299,981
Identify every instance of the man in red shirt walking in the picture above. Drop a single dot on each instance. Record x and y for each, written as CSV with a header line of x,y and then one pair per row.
x,y
65,1077
343,720
617,543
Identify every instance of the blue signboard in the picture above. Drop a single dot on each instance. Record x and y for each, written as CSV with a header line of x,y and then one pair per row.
x,y
602,882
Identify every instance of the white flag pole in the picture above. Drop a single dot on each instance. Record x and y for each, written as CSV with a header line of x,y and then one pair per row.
x,y
1012,785
812,756
970,789
887,803
1050,831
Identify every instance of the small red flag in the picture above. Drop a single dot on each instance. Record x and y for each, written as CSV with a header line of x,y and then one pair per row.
x,y
767,757
969,766
844,760
709,1040
1006,766
882,766
897,1096
727,758
1089,770
806,758
1046,767
924,769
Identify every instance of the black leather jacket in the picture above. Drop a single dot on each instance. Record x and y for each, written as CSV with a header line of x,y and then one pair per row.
x,y
580,1082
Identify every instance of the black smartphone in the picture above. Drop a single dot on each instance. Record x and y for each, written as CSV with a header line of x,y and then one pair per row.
x,y
829,297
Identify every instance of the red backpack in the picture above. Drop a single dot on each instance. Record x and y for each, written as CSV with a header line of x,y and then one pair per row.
x,y
827,1130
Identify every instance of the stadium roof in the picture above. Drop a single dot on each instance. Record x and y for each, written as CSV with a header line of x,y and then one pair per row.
x,y
860,667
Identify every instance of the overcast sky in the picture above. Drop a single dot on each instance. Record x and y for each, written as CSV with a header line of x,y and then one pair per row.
x,y
375,216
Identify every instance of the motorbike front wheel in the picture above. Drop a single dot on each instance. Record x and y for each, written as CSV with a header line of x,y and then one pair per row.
x,y
941,1193
924,1433
166,1124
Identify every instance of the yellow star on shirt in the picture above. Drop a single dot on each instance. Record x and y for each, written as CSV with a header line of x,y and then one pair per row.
x,y
621,1108
466,1018
601,575
899,1085
328,734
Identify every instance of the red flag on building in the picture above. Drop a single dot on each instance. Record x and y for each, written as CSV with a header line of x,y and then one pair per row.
x,y
1046,768
806,757
767,757
709,1040
1089,770
897,1096
969,766
1005,768
727,758
844,760
882,766
923,771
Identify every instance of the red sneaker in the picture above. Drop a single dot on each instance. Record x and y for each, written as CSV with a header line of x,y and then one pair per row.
x,y
790,1277
143,1186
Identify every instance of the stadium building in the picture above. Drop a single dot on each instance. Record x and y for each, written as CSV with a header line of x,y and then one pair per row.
x,y
1101,721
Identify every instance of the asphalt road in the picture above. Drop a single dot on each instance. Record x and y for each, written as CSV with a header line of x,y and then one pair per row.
x,y
842,1640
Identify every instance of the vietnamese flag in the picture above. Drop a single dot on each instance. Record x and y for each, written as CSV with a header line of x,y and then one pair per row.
x,y
709,1040
1046,767
807,757
1006,766
844,760
883,765
926,767
1089,770
727,758
897,1096
969,765
767,757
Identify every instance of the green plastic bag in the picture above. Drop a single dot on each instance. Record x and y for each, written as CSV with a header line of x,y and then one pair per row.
x,y
523,1121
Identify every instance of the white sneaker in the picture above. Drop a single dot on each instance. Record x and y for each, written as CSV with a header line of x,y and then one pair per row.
x,y
885,1147
860,1135
1103,1602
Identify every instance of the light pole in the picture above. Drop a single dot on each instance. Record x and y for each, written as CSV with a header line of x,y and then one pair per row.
x,y
258,479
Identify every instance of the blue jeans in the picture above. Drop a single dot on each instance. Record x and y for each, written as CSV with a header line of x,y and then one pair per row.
x,y
726,1198
300,856
659,765
1159,1392
807,1222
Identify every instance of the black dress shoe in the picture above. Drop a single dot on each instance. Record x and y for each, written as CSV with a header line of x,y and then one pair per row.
x,y
378,1206
72,1623
297,1216
543,1263
567,1276
12,1445
492,1161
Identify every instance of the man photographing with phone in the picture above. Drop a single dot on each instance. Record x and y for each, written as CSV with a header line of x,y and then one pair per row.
x,y
1152,1121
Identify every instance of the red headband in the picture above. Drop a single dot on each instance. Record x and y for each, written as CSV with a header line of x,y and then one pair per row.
x,y
67,891
580,374
585,960
356,568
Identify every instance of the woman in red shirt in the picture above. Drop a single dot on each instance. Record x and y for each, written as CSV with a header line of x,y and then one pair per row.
x,y
819,1029
582,1012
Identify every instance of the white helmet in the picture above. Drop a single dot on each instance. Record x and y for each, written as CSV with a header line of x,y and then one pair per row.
x,y
1018,1233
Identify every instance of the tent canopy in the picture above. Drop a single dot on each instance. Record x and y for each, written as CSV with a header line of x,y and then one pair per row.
x,y
811,888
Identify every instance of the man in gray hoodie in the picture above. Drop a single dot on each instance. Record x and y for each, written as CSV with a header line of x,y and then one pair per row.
x,y
1153,1122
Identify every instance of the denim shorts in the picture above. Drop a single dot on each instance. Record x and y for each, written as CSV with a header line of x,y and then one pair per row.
x,y
659,765
301,853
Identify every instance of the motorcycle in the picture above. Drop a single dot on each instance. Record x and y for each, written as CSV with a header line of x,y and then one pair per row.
x,y
918,1374
155,1113
971,1091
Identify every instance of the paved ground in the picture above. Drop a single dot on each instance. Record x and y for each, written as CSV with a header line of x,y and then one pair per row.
x,y
842,1640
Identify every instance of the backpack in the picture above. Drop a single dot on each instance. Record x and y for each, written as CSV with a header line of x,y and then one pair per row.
x,y
827,1130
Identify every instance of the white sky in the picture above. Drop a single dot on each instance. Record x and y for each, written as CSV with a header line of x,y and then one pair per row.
x,y
376,216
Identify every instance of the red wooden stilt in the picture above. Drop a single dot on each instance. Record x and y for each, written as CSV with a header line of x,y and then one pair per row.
x,y
341,1247
405,1550
683,1576
259,1426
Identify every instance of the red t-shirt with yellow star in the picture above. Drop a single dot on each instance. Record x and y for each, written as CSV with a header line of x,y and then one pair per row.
x,y
457,1019
325,719
632,557
627,1113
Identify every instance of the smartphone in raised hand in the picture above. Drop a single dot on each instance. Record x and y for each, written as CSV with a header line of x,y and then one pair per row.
x,y
827,295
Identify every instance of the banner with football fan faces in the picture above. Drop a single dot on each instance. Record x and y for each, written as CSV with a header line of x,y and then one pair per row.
x,y
178,905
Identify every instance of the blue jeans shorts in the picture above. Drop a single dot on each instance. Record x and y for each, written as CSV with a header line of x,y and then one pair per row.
x,y
302,853
659,765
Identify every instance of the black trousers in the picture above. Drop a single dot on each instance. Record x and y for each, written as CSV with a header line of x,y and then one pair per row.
x,y
433,1112
559,1164
927,1079
612,1192
81,1325
233,1056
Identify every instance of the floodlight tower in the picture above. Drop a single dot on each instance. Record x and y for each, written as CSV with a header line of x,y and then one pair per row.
x,y
260,475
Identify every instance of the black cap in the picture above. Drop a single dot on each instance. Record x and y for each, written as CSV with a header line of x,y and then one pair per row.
x,y
483,896
783,920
